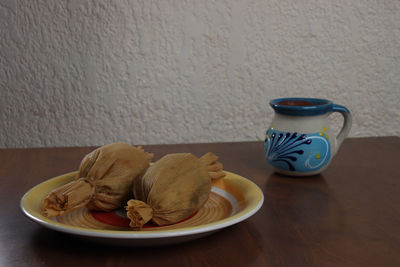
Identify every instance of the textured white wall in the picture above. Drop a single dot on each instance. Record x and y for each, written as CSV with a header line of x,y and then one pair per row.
x,y
85,72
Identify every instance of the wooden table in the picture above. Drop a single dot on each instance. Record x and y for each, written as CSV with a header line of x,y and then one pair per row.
x,y
349,215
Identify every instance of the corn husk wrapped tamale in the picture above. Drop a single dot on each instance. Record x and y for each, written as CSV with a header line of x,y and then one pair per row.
x,y
172,189
104,181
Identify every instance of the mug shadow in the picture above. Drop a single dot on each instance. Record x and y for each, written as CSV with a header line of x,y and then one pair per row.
x,y
302,198
304,208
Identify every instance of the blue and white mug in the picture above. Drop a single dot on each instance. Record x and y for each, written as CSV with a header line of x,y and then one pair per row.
x,y
299,141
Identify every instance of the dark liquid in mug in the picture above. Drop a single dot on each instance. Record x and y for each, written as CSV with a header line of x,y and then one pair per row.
x,y
297,103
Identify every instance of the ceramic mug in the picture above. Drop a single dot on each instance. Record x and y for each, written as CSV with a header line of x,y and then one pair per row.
x,y
299,140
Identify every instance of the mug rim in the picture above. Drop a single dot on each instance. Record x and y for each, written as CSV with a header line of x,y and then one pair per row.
x,y
318,106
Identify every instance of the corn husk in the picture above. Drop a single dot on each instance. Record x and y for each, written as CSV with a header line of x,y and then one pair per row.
x,y
104,181
172,189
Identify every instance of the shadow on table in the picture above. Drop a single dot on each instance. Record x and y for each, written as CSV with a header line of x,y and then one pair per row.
x,y
50,246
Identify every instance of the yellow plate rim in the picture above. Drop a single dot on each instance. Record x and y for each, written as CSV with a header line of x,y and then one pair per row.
x,y
253,200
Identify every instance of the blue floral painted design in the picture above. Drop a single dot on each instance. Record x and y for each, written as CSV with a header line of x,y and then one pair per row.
x,y
293,151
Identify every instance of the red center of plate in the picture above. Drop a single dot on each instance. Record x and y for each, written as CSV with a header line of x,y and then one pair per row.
x,y
114,219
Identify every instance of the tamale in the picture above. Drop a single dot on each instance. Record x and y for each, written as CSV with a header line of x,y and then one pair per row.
x,y
172,189
104,181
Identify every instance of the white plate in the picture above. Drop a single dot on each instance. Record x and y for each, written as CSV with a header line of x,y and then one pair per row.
x,y
234,198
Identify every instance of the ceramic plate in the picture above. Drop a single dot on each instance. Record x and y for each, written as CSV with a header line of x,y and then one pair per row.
x,y
232,200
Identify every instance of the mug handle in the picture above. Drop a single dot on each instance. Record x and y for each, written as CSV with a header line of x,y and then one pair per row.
x,y
346,124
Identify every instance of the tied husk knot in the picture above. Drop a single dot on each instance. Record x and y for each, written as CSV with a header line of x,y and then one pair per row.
x,y
70,196
214,167
139,213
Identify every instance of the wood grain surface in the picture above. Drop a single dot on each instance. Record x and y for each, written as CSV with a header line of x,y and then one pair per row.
x,y
347,216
